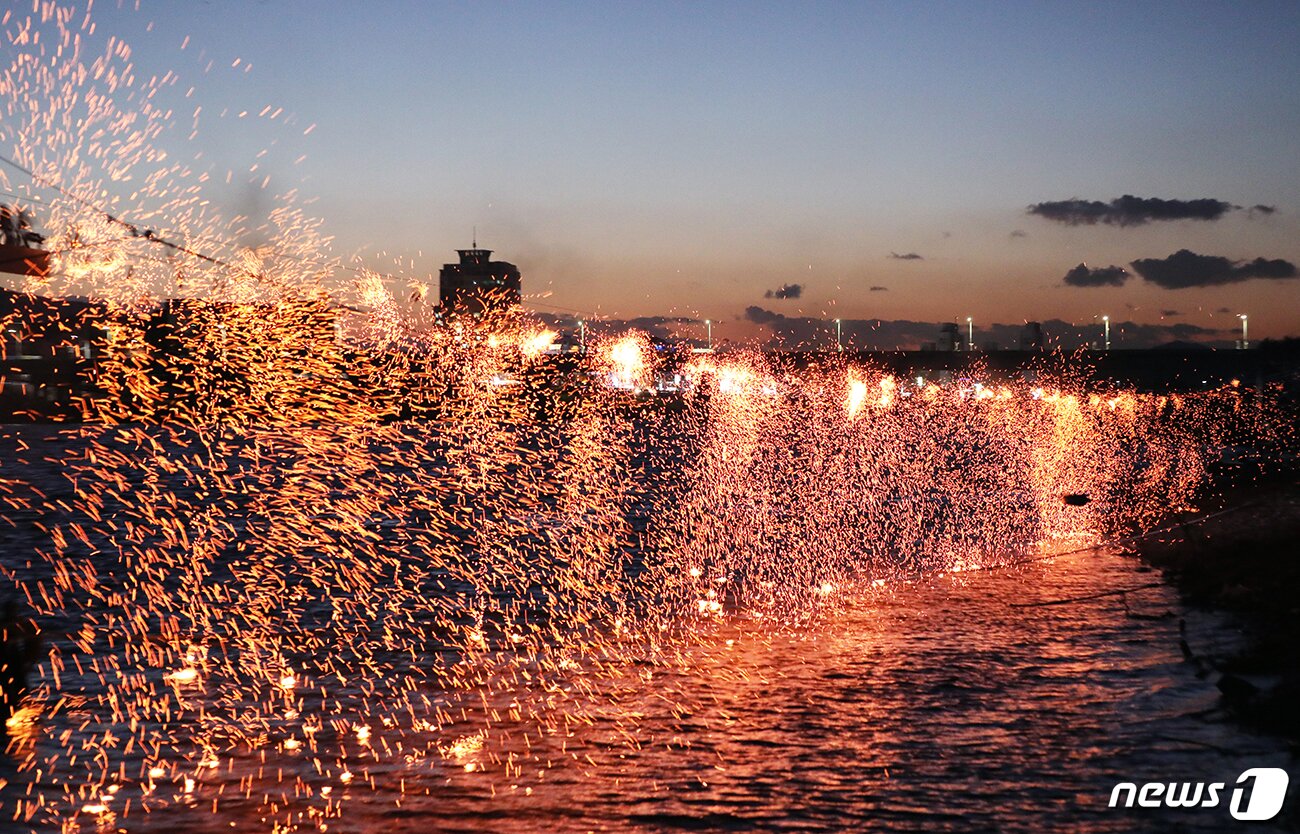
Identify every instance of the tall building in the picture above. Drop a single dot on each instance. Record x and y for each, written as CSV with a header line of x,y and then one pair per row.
x,y
477,286
1031,336
950,338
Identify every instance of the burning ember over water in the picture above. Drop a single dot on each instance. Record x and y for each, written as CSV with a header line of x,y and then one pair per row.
x,y
285,567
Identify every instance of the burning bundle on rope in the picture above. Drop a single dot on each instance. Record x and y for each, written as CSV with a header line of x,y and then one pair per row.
x,y
20,251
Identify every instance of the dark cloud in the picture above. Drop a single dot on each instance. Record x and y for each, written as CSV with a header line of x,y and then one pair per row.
x,y
879,289
760,316
1019,233
660,325
668,328
805,332
1133,335
1170,313
1102,276
910,256
1185,269
1260,208
1129,210
1129,334
785,291
1223,310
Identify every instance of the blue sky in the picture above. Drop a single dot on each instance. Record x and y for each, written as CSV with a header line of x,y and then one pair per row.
x,y
639,159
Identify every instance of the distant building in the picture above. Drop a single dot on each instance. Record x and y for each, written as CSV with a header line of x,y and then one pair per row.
x,y
477,286
950,338
1031,336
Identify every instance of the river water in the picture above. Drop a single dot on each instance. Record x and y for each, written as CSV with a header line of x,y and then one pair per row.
x,y
942,705
953,702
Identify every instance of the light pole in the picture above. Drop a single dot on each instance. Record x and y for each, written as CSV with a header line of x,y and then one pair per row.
x,y
839,335
1245,339
1105,320
709,324
970,334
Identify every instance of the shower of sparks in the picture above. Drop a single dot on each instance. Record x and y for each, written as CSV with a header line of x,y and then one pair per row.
x,y
288,563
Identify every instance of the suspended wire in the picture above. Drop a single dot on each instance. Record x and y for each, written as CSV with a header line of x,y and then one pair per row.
x,y
146,234
153,237
584,313
25,198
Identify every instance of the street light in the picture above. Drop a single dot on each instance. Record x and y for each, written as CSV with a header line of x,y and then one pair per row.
x,y
839,335
709,324
582,335
1245,340
970,334
1105,320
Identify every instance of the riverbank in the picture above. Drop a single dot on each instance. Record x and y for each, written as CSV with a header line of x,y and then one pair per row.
x,y
1246,562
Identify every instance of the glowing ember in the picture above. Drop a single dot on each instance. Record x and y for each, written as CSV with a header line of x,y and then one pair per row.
x,y
187,675
533,345
627,362
857,397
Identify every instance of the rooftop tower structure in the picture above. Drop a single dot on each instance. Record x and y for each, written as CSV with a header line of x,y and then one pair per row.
x,y
477,286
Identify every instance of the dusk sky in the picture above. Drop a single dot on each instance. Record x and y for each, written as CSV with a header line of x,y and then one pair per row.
x,y
702,160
